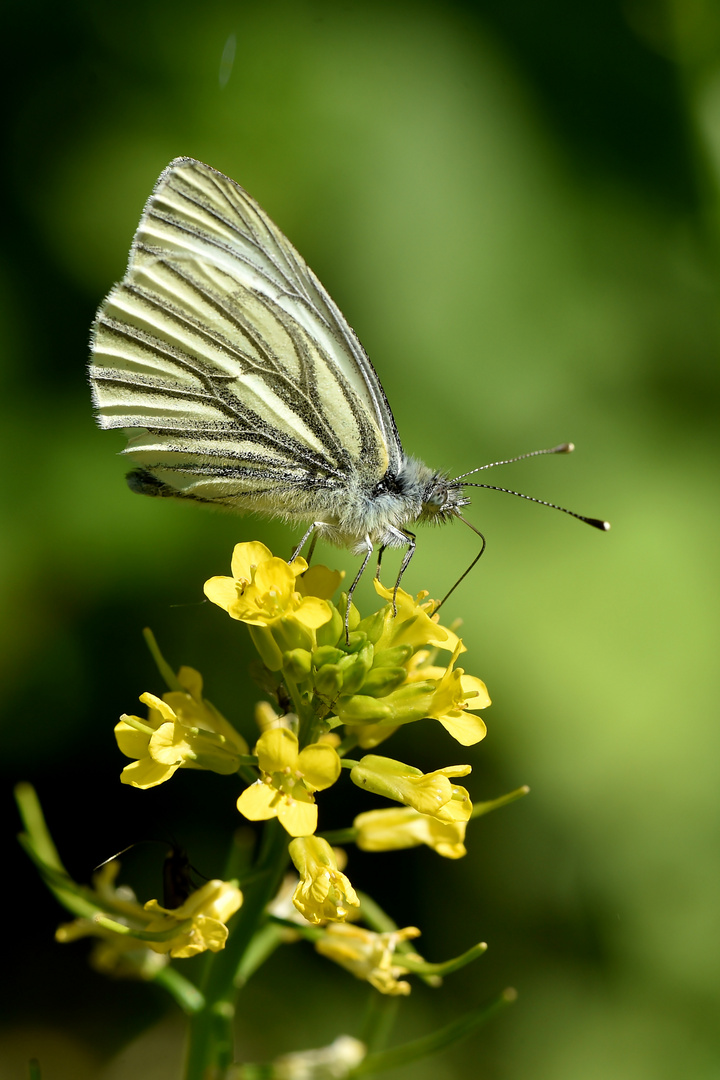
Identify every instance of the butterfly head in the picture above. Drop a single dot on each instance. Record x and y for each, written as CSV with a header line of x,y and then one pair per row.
x,y
435,497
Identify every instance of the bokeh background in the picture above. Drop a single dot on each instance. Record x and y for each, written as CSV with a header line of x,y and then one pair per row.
x,y
515,206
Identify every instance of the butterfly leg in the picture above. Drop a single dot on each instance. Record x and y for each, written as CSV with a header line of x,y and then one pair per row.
x,y
409,539
381,552
315,525
354,585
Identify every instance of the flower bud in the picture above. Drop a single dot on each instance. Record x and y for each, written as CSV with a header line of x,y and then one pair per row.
x,y
297,663
328,681
355,668
326,654
382,681
331,632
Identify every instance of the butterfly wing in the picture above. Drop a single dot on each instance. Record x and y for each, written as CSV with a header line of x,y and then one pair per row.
x,y
246,384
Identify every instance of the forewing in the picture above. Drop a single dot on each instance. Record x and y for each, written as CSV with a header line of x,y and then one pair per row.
x,y
223,348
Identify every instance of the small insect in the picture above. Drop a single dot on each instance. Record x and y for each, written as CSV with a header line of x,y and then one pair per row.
x,y
177,872
243,386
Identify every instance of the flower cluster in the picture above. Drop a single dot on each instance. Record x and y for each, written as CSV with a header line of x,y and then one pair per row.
x,y
339,682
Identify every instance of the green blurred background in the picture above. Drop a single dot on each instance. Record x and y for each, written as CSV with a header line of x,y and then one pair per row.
x,y
515,206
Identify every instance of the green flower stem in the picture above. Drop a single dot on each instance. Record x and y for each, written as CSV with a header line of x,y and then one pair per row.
x,y
348,743
481,808
262,946
309,933
37,831
422,967
384,1060
337,837
185,993
374,915
143,935
348,763
210,1035
379,1020
161,663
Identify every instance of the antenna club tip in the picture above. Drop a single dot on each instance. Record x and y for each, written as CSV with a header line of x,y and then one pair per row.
x,y
606,526
567,448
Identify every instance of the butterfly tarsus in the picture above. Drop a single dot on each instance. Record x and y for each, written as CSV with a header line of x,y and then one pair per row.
x,y
351,590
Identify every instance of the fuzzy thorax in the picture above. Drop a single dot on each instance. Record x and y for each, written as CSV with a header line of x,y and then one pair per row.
x,y
415,494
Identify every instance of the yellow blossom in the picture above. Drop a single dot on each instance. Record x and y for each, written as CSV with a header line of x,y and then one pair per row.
x,y
455,693
368,955
263,589
428,793
117,955
290,776
323,893
183,731
446,695
208,909
414,623
403,827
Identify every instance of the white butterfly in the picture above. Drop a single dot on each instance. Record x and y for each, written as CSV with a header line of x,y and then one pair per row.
x,y
245,384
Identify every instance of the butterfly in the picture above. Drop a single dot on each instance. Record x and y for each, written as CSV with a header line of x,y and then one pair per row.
x,y
241,384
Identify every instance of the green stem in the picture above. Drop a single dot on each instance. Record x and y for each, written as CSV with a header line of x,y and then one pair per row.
x,y
384,1060
185,993
171,679
481,808
210,1035
335,837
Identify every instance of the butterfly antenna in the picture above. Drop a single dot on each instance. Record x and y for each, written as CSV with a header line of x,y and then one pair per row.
x,y
472,564
596,523
562,448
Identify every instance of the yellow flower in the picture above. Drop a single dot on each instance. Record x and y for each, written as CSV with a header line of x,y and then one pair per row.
x,y
323,892
290,776
428,793
368,955
414,623
117,955
183,731
263,589
443,694
403,827
208,908
455,693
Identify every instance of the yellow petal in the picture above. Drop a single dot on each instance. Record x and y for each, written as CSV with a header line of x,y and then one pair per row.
x,y
298,817
247,557
277,750
191,680
146,773
168,745
464,727
313,612
475,691
131,742
319,581
221,591
319,766
276,578
158,705
258,802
